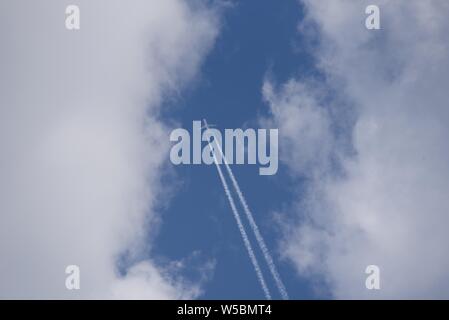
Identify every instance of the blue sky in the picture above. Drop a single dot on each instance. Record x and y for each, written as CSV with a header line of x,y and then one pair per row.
x,y
86,179
252,45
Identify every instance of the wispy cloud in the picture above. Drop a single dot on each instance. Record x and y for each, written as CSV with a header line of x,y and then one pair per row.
x,y
375,193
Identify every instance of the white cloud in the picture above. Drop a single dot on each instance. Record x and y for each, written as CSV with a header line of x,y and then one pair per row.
x,y
389,204
144,281
82,147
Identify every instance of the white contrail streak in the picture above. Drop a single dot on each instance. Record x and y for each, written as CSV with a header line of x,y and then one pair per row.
x,y
259,238
242,230
255,229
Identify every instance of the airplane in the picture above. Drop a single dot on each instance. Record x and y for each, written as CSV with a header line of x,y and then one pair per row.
x,y
207,126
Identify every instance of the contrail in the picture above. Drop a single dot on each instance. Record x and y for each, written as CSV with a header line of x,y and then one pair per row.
x,y
242,230
259,238
279,284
